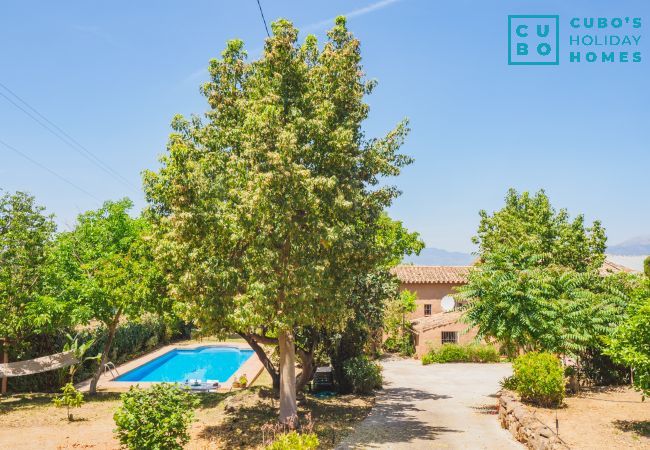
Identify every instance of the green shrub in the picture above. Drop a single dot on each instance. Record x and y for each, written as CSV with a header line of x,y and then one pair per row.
x,y
69,398
295,441
452,353
429,358
157,418
403,345
364,375
509,383
539,378
646,266
461,353
483,353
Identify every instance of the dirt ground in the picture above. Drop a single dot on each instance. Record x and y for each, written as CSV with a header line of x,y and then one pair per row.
x,y
602,418
224,420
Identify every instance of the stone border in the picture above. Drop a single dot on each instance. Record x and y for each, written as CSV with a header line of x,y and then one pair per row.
x,y
524,426
252,368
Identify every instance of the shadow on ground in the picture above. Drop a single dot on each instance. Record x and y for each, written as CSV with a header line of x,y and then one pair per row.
x,y
248,416
391,421
22,401
640,427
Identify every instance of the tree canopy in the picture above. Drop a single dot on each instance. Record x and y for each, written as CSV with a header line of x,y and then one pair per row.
x,y
268,209
537,285
26,233
531,233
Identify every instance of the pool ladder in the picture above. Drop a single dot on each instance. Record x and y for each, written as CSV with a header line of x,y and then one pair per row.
x,y
110,367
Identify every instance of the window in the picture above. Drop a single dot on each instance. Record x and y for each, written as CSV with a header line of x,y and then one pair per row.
x,y
427,309
450,337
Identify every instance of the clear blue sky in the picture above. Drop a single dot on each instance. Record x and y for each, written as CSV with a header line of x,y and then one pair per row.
x,y
112,75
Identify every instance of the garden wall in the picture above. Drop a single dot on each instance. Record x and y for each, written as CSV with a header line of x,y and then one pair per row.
x,y
516,418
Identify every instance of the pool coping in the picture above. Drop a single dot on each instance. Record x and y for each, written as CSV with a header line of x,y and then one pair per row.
x,y
252,368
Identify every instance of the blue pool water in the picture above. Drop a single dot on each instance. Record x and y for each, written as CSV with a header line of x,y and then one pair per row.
x,y
202,363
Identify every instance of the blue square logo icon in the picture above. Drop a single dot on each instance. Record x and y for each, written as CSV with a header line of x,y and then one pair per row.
x,y
534,40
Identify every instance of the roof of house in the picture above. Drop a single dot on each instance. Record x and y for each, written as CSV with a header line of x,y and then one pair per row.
x,y
458,274
609,268
422,324
431,274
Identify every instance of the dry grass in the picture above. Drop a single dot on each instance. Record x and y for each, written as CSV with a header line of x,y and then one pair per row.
x,y
224,420
602,418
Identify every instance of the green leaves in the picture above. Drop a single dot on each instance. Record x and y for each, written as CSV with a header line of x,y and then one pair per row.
x,y
537,284
269,211
534,234
157,418
538,378
25,236
630,344
69,398
104,266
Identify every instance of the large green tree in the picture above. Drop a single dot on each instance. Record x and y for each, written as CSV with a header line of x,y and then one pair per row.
x,y
25,235
269,208
536,285
105,269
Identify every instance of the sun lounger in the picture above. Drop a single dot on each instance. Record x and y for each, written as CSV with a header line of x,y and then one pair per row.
x,y
200,386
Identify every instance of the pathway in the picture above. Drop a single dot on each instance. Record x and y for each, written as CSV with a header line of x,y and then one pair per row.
x,y
450,406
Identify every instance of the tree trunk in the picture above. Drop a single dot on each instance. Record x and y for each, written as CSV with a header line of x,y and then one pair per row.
x,y
308,368
288,407
107,347
5,360
266,361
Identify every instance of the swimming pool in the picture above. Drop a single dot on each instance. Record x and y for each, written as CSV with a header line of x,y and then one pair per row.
x,y
201,363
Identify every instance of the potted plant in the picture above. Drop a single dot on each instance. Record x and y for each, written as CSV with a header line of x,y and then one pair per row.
x,y
240,382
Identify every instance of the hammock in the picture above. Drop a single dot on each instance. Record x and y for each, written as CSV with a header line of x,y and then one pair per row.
x,y
37,365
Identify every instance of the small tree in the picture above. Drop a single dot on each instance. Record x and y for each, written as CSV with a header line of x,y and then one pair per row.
x,y
105,268
79,350
646,266
155,418
630,344
361,334
397,328
70,398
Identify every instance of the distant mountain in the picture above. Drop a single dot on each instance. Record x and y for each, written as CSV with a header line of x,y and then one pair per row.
x,y
438,257
637,246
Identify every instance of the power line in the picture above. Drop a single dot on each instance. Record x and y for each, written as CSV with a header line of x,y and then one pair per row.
x,y
64,137
263,19
44,167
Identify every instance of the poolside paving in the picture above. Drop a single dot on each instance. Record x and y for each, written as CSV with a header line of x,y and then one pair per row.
x,y
449,406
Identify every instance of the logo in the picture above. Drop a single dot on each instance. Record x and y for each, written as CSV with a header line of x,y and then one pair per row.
x,y
534,40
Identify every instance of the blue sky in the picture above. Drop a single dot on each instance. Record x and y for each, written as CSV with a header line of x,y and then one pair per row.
x,y
113,74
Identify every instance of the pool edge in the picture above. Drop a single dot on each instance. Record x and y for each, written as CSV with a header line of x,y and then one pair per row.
x,y
253,367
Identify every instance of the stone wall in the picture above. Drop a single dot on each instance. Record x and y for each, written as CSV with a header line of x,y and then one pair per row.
x,y
516,418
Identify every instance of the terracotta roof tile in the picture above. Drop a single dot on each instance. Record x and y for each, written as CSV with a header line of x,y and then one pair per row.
x,y
422,324
609,268
431,274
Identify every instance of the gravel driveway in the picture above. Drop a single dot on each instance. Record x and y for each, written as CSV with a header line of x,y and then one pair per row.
x,y
448,406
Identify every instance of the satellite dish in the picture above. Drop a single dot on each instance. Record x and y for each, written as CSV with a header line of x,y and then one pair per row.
x,y
447,303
